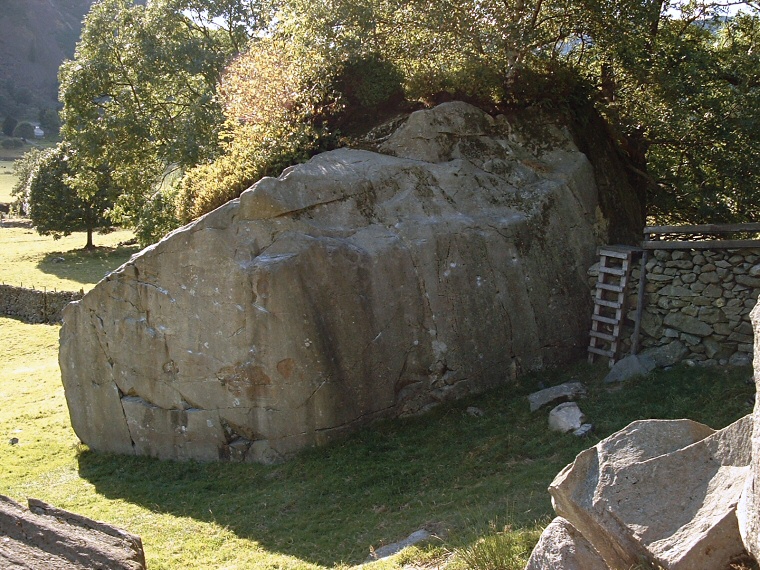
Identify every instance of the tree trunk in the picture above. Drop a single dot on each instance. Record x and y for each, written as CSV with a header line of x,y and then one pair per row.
x,y
89,239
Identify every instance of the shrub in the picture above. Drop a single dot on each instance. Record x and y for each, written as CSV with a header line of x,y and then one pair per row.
x,y
369,81
24,130
259,150
272,122
12,143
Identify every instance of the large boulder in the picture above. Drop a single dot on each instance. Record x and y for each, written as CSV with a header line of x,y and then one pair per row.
x,y
355,286
660,491
748,510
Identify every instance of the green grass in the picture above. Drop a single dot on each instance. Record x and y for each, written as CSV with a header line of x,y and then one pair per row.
x,y
32,260
7,181
502,548
450,472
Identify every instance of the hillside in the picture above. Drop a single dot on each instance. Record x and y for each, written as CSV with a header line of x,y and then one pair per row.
x,y
35,37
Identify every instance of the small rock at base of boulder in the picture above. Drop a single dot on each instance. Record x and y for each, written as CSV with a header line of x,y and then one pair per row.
x,y
475,412
391,549
566,417
562,393
584,430
562,546
630,367
668,354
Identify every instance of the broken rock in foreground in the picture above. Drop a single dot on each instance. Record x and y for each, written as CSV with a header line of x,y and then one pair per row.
x,y
659,491
46,538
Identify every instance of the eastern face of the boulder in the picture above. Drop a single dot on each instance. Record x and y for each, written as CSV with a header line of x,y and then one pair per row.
x,y
355,286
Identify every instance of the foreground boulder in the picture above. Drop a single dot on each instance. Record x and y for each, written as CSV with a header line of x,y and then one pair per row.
x,y
748,511
46,538
358,285
664,492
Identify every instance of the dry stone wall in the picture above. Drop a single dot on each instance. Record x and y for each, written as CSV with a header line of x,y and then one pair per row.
x,y
34,306
697,305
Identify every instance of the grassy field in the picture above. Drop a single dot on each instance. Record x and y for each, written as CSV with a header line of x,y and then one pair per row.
x,y
456,474
32,260
450,472
7,181
42,262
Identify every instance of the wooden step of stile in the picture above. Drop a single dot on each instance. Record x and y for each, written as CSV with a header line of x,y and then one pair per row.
x,y
619,252
609,300
605,320
604,336
611,304
608,287
612,271
601,351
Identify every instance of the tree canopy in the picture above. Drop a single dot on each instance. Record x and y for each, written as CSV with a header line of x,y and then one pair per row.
x,y
139,95
57,209
220,93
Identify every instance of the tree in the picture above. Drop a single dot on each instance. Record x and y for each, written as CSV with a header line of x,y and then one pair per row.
x,y
50,122
9,125
55,208
139,96
24,130
684,94
24,169
147,95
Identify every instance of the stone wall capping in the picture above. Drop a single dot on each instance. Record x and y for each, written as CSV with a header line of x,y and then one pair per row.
x,y
35,306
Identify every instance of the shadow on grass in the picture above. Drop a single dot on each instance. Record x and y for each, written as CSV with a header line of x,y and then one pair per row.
x,y
440,471
329,505
86,266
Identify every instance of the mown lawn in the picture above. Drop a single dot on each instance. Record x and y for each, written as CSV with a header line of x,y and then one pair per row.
x,y
31,260
7,181
449,471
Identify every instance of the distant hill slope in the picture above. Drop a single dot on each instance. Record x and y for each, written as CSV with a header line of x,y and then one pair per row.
x,y
35,37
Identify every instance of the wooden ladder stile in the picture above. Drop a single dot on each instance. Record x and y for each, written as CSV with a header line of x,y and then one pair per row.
x,y
609,301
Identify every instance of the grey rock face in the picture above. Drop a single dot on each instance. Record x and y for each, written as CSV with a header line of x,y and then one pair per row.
x,y
358,285
46,538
